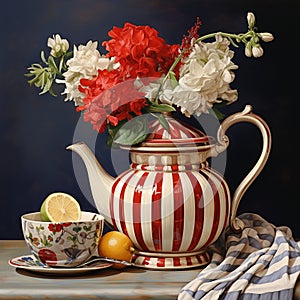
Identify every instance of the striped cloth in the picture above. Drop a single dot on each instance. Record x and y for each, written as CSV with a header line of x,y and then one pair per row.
x,y
261,262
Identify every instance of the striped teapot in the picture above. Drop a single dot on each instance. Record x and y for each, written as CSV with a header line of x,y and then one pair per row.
x,y
171,203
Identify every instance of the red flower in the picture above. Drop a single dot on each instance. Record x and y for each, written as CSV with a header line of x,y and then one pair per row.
x,y
36,241
113,120
111,96
47,256
136,106
67,224
93,87
140,51
55,227
120,102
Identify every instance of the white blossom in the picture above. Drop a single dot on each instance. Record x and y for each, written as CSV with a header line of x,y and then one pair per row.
x,y
257,51
85,63
158,89
266,36
248,49
250,20
205,78
58,45
198,79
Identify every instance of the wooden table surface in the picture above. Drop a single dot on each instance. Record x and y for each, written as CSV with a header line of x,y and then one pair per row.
x,y
128,283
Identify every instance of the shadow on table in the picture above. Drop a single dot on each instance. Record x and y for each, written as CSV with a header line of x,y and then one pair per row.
x,y
92,274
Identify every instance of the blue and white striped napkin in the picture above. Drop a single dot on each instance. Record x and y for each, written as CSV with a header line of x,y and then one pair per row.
x,y
261,262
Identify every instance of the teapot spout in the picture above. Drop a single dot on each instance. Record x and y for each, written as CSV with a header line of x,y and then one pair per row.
x,y
100,181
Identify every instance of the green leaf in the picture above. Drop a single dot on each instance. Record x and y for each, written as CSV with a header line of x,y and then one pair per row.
x,y
51,92
43,57
52,64
162,120
173,78
216,108
87,228
159,108
132,132
112,130
64,60
33,80
47,86
217,113
61,64
77,229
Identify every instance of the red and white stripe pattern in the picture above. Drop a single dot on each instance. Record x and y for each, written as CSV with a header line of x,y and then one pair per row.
x,y
171,261
177,130
171,204
170,211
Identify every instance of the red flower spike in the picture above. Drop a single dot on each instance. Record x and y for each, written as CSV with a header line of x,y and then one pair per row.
x,y
192,34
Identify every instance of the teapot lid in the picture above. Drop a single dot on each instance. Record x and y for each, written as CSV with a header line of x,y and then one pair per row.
x,y
179,134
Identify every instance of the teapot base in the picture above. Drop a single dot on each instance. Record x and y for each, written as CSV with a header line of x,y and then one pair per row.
x,y
171,260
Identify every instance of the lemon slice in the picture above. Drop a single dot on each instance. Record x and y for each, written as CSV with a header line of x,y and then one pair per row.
x,y
60,207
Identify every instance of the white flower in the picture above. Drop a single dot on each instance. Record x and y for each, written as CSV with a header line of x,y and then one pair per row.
x,y
205,77
266,36
257,51
85,63
58,45
195,82
158,89
251,20
248,49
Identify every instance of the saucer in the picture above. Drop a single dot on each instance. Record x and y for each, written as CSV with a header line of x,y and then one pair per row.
x,y
30,263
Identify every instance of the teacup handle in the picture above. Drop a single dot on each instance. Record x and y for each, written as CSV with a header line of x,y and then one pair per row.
x,y
245,116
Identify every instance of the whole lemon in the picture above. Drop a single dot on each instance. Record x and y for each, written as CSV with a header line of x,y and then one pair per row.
x,y
117,245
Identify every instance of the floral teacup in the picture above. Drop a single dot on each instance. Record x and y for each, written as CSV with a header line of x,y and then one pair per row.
x,y
61,244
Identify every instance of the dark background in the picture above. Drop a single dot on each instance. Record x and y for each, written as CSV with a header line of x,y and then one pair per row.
x,y
36,129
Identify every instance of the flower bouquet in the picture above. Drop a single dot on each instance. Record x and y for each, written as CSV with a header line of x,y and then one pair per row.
x,y
142,75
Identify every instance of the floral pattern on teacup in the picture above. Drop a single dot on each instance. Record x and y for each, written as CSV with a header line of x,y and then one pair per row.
x,y
62,243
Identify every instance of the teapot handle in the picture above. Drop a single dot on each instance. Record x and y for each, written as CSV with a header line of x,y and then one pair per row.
x,y
245,116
